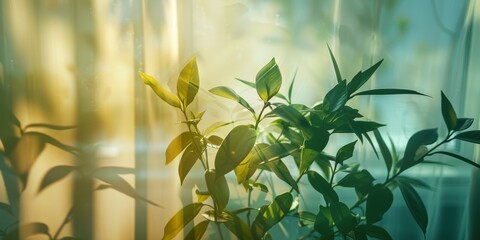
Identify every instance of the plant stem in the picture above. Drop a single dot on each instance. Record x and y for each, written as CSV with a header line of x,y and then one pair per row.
x,y
259,119
64,223
197,148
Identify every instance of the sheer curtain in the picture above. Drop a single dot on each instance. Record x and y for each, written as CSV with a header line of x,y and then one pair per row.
x,y
76,63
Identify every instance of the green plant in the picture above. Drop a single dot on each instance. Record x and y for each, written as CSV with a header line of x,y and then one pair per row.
x,y
22,146
283,132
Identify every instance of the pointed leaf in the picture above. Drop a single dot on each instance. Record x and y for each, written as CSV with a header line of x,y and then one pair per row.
x,y
188,82
238,227
356,179
218,188
345,152
176,146
387,91
181,219
335,65
387,156
198,231
342,217
290,88
414,182
361,78
229,93
420,138
375,232
291,115
317,139
270,215
234,149
250,84
189,158
161,91
307,158
322,186
119,184
469,136
415,205
337,97
461,158
283,173
55,174
268,81
463,123
448,113
379,201
322,221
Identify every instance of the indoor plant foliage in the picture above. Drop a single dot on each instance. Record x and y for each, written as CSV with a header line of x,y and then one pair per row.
x,y
282,131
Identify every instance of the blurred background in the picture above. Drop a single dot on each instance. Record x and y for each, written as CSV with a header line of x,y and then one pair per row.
x,y
76,63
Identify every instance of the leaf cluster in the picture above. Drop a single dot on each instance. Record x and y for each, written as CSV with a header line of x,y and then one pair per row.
x,y
288,140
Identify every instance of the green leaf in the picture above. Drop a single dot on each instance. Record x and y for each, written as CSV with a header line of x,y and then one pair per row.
x,y
188,82
387,156
448,113
250,84
463,123
181,219
415,205
322,221
461,158
291,115
342,217
177,145
335,66
111,176
469,136
420,138
229,93
257,185
307,219
322,186
290,88
55,174
375,232
218,188
234,149
283,173
413,181
379,201
358,127
30,229
361,78
268,80
270,215
356,179
307,158
387,91
198,231
238,227
336,97
189,158
160,90
215,140
345,152
318,139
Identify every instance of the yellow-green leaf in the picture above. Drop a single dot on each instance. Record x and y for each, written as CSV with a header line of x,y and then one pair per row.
x,y
177,145
268,80
181,219
188,82
160,90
